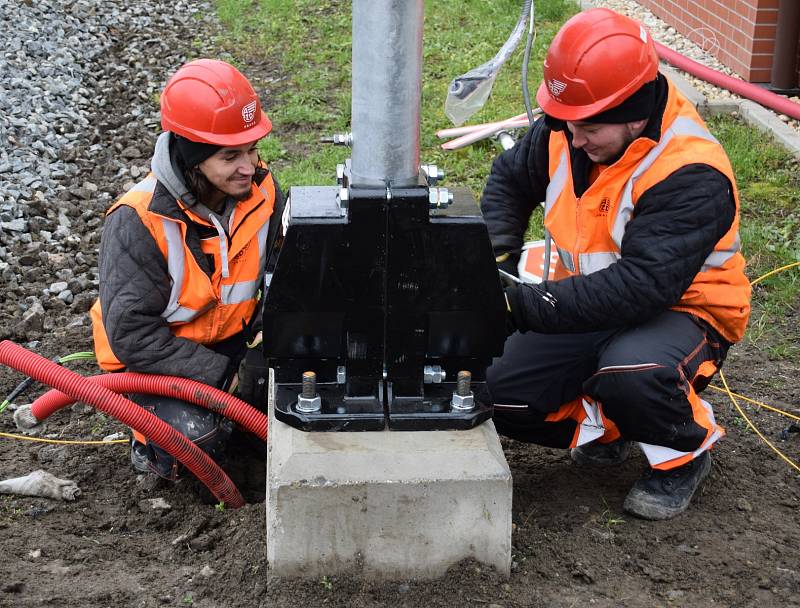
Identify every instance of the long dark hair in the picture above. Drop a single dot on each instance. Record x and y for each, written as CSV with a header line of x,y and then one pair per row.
x,y
198,184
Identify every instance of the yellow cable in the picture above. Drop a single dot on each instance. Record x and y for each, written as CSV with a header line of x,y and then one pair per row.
x,y
754,402
776,271
753,426
42,440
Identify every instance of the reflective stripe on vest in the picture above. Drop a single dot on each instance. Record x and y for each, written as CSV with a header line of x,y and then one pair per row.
x,y
557,183
716,259
592,262
174,312
235,293
247,290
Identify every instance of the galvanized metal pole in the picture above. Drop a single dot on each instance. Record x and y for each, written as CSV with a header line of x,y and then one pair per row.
x,y
387,72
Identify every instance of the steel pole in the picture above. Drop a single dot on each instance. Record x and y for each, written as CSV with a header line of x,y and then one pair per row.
x,y
387,72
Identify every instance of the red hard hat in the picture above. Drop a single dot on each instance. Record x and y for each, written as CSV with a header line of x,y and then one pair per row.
x,y
597,60
210,101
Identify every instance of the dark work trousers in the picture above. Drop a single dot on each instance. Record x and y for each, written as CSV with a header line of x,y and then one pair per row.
x,y
640,382
209,430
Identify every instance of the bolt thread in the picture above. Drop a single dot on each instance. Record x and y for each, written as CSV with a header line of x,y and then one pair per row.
x,y
462,383
309,385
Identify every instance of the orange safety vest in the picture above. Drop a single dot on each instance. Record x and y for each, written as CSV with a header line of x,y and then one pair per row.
x,y
202,309
588,230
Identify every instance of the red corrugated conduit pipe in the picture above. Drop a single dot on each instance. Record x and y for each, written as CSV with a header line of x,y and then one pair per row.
x,y
751,91
127,412
220,402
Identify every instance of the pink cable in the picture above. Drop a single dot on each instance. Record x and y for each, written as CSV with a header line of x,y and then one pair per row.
x,y
766,98
127,412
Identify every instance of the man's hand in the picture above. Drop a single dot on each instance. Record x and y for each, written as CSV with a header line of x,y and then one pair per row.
x,y
508,262
523,302
256,340
234,384
513,320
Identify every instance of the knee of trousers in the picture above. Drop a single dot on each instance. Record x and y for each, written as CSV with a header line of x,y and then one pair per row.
x,y
645,404
208,430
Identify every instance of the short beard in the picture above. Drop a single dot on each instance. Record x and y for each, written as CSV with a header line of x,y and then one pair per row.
x,y
243,196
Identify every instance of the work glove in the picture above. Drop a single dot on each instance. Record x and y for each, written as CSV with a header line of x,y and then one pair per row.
x,y
234,384
523,301
508,262
258,339
514,320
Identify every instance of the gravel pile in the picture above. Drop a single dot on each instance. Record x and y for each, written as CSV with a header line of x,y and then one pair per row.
x,y
79,83
697,46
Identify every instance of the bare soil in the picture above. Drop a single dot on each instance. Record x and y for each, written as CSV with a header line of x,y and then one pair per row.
x,y
738,545
572,543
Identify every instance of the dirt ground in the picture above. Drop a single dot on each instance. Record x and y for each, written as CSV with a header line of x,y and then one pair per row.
x,y
572,543
738,545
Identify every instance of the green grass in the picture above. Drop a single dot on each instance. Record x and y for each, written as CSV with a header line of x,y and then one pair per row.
x,y
769,189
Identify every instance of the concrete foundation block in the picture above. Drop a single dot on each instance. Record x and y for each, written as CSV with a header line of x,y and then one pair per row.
x,y
392,505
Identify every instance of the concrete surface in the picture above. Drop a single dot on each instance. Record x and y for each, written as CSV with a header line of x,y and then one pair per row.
x,y
392,505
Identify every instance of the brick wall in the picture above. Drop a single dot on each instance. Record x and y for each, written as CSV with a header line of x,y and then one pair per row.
x,y
744,30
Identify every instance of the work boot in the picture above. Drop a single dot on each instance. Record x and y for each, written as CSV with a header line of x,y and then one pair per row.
x,y
596,454
139,459
664,494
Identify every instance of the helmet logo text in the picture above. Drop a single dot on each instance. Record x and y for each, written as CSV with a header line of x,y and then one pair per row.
x,y
249,112
556,87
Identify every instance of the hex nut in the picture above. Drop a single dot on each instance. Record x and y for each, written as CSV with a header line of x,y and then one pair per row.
x,y
309,405
463,403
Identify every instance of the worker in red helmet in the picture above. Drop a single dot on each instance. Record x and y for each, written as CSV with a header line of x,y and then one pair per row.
x,y
183,255
649,291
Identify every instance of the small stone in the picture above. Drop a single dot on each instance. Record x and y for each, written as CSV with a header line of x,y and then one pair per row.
x,y
32,320
130,152
17,225
35,553
743,505
154,504
207,571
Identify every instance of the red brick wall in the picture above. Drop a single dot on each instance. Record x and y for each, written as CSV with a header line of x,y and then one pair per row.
x,y
744,30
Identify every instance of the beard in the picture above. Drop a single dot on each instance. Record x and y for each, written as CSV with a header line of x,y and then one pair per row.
x,y
241,196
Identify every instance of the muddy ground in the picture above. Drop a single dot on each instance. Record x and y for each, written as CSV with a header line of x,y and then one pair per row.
x,y
738,545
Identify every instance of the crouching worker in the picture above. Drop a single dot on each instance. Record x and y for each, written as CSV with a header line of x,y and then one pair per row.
x,y
649,290
183,255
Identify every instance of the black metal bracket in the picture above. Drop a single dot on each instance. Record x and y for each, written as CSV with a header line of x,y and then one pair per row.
x,y
370,293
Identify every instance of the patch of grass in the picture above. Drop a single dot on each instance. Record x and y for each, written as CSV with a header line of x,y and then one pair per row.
x,y
769,189
608,518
